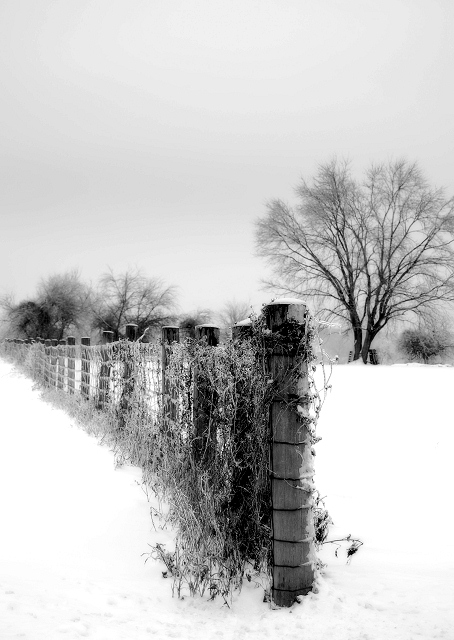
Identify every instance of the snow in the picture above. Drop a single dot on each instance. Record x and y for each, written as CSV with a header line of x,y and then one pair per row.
x,y
243,323
285,301
74,527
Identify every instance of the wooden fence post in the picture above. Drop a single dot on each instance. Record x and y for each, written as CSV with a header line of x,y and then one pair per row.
x,y
85,367
242,329
20,356
131,336
33,352
47,348
131,332
104,371
204,400
128,381
61,364
71,341
40,359
53,362
291,458
169,399
242,473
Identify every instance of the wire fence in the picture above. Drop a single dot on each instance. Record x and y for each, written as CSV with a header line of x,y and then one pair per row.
x,y
222,432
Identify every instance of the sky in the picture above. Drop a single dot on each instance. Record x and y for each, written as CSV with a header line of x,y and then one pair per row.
x,y
152,133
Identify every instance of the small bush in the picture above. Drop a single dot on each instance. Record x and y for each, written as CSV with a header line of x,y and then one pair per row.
x,y
424,344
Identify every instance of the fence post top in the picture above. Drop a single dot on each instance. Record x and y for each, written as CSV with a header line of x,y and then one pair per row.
x,y
107,337
207,326
242,329
287,301
282,310
208,332
131,330
243,323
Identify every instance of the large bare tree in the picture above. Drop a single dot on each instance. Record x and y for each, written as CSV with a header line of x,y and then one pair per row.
x,y
369,252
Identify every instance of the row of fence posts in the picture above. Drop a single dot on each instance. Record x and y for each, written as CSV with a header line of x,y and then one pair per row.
x,y
292,515
291,495
59,365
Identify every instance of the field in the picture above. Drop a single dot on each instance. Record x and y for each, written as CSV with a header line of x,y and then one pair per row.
x,y
74,528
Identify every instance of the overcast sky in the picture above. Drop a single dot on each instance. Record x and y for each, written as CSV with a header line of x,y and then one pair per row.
x,y
152,132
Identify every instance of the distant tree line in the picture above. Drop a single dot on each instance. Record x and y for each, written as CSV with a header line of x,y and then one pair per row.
x,y
65,305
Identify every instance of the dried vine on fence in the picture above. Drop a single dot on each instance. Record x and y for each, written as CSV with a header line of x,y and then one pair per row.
x,y
215,480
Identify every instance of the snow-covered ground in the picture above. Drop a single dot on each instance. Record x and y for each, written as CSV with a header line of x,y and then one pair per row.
x,y
73,528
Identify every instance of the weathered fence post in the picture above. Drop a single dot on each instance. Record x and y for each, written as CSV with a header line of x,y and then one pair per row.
x,y
71,341
20,355
131,332
291,458
53,362
204,400
104,371
40,360
34,358
85,367
47,348
128,381
131,336
242,472
61,364
169,399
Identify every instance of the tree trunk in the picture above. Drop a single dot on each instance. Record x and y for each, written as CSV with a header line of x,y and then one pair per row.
x,y
366,345
358,342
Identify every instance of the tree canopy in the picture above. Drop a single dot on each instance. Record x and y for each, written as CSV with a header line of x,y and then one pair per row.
x,y
233,312
132,298
61,305
367,252
189,321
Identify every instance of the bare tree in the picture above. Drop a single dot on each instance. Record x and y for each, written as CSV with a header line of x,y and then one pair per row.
x,y
131,297
233,312
189,321
371,252
67,301
61,304
26,319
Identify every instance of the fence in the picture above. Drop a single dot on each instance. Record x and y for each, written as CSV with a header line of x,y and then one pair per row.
x,y
224,431
372,356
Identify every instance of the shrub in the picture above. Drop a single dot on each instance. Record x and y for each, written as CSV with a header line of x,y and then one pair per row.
x,y
423,344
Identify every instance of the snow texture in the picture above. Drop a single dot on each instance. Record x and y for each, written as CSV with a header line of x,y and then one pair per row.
x,y
285,301
74,528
